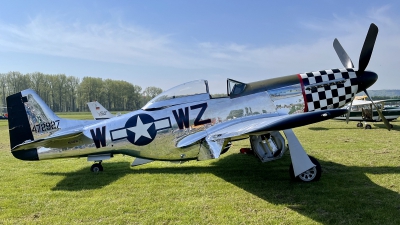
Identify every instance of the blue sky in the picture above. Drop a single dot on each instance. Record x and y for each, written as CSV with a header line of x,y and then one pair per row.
x,y
165,43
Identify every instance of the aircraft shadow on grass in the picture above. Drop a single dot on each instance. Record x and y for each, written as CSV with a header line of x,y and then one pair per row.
x,y
350,127
341,128
318,128
340,186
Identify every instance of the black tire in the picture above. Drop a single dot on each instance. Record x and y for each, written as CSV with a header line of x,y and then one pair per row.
x,y
368,126
313,174
97,167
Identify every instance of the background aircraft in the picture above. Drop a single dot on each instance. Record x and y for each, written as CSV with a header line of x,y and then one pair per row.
x,y
363,111
3,113
99,112
187,123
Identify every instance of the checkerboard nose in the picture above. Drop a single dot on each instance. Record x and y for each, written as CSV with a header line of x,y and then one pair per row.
x,y
366,80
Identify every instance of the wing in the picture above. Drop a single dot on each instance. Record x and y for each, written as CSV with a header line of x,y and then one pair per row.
x,y
260,125
282,122
387,100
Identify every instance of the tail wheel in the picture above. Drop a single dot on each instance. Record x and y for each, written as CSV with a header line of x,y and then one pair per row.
x,y
312,174
97,167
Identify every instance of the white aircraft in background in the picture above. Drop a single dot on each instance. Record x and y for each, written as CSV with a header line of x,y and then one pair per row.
x,y
362,110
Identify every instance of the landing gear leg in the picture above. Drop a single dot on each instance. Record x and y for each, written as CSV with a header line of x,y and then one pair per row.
x,y
97,167
304,168
97,159
312,174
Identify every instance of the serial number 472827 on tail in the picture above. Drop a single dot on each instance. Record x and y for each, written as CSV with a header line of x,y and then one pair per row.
x,y
187,123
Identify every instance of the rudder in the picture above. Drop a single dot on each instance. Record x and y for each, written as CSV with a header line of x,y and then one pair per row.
x,y
18,123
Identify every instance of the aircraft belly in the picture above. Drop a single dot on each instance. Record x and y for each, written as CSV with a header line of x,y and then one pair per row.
x,y
161,148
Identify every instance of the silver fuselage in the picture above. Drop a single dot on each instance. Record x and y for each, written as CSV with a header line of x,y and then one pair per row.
x,y
158,130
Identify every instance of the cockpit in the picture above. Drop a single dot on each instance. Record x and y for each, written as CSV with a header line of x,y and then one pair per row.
x,y
193,91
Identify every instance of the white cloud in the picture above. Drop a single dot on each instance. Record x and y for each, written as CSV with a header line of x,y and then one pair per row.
x,y
103,42
133,45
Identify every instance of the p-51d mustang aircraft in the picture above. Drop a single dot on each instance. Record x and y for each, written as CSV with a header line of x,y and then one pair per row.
x,y
187,123
362,111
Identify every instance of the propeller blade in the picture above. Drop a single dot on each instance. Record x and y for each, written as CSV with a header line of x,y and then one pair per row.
x,y
368,47
348,112
344,58
385,121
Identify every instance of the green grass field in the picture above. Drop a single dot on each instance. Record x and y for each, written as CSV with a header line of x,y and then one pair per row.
x,y
360,184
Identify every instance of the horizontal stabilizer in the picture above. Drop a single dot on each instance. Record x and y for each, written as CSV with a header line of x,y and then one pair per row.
x,y
59,141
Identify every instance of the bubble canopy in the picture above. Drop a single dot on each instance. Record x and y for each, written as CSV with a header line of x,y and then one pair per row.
x,y
193,91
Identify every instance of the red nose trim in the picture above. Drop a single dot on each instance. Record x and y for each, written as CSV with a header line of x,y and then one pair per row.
x,y
304,93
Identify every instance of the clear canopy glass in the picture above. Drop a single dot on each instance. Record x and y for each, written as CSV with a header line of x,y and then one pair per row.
x,y
191,91
187,89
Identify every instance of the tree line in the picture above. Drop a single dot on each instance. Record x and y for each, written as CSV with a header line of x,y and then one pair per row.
x,y
70,94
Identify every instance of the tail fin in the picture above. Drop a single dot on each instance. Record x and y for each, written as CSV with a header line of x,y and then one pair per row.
x,y
18,123
29,118
98,111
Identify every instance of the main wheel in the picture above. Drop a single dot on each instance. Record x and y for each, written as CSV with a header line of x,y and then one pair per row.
x,y
368,126
312,174
97,167
226,148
